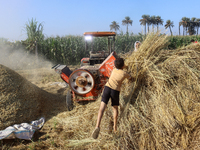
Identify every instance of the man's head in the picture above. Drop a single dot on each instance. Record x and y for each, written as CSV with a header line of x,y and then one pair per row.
x,y
137,45
119,63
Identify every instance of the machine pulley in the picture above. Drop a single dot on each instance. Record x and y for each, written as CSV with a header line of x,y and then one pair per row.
x,y
81,81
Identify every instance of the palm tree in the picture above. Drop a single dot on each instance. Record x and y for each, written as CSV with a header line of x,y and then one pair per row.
x,y
34,33
197,24
182,23
126,22
192,26
179,26
144,21
114,26
148,21
159,21
169,24
188,22
185,23
153,21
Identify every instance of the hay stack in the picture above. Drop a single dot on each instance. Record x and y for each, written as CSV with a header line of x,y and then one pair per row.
x,y
20,100
162,107
160,110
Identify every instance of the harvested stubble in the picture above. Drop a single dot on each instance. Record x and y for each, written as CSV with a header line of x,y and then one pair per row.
x,y
160,110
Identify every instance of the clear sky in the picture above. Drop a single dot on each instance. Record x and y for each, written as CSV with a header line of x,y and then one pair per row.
x,y
74,17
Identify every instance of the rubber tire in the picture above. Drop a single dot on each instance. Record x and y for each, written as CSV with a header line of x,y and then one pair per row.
x,y
69,101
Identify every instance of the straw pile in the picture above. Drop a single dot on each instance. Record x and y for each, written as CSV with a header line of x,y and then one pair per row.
x,y
162,107
20,100
160,110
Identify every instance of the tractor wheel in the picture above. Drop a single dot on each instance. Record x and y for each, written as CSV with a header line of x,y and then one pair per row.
x,y
69,101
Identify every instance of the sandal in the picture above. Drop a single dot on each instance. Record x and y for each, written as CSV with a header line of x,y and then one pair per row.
x,y
95,133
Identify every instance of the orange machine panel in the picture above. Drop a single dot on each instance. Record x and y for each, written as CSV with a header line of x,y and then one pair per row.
x,y
108,65
64,77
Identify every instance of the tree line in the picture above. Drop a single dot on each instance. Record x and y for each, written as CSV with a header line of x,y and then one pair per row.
x,y
190,26
71,49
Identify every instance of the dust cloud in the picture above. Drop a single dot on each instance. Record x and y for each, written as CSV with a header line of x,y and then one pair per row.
x,y
19,59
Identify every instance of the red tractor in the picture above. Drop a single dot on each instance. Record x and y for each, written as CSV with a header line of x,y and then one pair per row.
x,y
87,82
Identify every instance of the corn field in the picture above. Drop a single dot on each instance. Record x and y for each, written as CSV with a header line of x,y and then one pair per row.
x,y
71,49
180,41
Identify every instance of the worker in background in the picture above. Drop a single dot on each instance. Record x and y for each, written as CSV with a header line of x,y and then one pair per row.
x,y
137,45
112,90
193,41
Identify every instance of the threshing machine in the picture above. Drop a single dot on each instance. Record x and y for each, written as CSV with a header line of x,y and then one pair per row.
x,y
87,82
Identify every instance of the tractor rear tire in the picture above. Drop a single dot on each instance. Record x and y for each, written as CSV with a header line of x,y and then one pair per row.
x,y
69,101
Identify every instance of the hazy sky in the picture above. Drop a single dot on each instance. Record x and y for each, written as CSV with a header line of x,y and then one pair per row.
x,y
74,17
